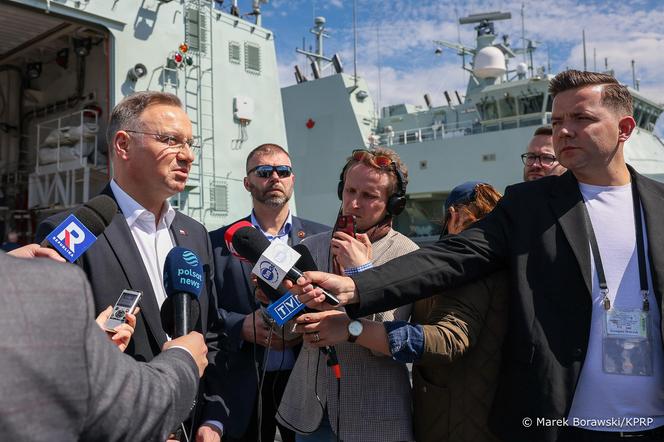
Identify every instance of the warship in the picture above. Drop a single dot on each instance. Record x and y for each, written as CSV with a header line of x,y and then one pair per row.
x,y
64,64
476,136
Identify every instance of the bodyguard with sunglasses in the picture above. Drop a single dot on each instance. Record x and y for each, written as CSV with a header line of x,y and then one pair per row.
x,y
270,181
540,159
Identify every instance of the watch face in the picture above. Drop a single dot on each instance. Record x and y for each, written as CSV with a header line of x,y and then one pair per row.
x,y
355,328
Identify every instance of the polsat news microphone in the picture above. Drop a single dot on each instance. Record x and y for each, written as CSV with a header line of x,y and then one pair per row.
x,y
183,282
76,234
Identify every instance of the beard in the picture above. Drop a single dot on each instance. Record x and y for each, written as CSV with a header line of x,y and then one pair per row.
x,y
273,201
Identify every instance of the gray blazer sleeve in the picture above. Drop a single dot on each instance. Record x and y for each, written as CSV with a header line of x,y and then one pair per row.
x,y
130,400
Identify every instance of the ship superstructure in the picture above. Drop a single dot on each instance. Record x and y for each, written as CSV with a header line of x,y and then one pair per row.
x,y
64,64
477,136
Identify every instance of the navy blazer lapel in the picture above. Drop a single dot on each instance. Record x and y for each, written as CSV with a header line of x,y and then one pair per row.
x,y
297,233
652,202
121,240
567,204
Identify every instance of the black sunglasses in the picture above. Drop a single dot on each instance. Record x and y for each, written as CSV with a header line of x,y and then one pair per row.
x,y
265,171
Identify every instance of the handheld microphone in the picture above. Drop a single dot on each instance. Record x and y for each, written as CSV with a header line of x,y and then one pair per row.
x,y
80,230
250,244
305,263
183,282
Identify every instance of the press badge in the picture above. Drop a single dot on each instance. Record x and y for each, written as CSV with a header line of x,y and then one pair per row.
x,y
626,346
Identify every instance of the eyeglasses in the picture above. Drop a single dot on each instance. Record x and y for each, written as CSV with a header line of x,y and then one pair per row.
x,y
380,160
265,171
171,141
530,159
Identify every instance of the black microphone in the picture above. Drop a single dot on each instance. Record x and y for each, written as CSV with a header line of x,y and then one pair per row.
x,y
70,239
183,282
250,244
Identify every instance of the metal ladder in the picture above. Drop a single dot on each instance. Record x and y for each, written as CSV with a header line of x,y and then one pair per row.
x,y
198,101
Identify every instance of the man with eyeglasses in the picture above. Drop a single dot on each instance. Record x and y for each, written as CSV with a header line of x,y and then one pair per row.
x,y
150,145
270,181
540,159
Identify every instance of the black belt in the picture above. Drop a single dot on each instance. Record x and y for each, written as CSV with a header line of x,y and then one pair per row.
x,y
577,434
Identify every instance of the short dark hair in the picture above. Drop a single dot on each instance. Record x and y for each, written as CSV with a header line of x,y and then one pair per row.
x,y
543,130
126,112
614,95
265,149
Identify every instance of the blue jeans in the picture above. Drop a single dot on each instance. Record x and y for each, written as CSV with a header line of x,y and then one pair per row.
x,y
324,433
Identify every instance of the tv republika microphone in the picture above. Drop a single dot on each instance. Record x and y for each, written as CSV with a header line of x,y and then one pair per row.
x,y
250,244
183,282
80,230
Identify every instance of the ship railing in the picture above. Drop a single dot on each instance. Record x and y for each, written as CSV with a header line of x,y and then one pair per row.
x,y
434,132
444,131
69,141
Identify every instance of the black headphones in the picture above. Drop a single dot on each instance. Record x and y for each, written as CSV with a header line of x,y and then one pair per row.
x,y
396,203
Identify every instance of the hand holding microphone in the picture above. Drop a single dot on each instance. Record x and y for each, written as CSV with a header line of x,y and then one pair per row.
x,y
195,344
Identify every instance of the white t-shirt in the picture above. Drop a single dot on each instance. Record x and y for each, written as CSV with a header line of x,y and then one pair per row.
x,y
605,401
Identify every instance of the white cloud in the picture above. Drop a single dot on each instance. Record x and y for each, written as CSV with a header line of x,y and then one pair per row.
x,y
618,30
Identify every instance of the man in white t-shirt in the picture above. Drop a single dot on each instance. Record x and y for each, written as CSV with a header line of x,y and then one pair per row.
x,y
583,353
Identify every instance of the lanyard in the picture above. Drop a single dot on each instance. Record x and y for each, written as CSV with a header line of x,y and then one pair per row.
x,y
640,252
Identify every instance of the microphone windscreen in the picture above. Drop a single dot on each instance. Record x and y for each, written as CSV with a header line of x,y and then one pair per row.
x,y
168,316
97,213
183,272
249,243
306,262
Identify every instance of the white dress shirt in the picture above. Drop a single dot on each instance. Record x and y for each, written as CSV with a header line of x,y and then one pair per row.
x,y
154,240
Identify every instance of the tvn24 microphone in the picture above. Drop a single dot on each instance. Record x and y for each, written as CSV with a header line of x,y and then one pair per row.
x,y
247,242
80,230
183,281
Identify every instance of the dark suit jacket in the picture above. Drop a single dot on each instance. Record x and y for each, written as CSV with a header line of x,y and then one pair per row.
x,y
113,264
235,360
537,232
62,379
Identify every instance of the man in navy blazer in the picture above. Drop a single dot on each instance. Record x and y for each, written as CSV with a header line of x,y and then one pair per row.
x,y
270,181
151,147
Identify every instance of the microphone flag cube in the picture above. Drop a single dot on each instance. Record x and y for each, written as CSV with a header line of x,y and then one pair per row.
x,y
285,308
275,262
71,238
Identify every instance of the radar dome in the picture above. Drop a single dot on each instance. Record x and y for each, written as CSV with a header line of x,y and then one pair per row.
x,y
521,68
489,63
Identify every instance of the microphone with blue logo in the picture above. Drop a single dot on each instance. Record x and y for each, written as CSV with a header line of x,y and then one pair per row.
x,y
80,230
183,281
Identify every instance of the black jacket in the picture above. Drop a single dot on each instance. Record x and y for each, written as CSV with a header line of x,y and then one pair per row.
x,y
537,233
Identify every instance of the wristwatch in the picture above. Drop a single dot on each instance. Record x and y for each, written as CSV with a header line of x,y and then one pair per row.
x,y
354,330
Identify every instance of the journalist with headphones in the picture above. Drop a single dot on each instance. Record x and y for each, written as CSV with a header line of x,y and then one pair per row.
x,y
370,401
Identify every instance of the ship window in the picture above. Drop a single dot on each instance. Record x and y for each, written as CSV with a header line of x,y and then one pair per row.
x,y
487,110
507,106
531,104
252,58
219,198
637,116
234,52
421,218
549,103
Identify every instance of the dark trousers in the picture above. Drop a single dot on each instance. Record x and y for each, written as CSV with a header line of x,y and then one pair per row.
x,y
574,434
273,389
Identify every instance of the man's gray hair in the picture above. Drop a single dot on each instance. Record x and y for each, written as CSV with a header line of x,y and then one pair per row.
x,y
126,113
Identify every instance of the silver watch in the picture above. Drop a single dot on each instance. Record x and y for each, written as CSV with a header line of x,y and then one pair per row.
x,y
354,330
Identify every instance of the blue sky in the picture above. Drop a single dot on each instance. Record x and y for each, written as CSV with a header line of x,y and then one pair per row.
x,y
395,38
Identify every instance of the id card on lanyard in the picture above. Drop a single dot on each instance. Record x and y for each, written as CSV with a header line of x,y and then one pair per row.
x,y
626,333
